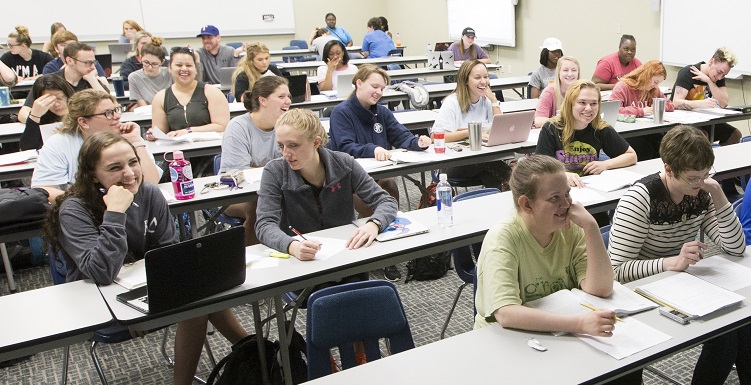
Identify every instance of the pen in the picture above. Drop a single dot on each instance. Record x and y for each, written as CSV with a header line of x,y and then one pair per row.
x,y
104,191
294,230
595,309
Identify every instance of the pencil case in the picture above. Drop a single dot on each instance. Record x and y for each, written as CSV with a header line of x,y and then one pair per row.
x,y
232,178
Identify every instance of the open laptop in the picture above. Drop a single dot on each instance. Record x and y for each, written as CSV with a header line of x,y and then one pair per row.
x,y
188,271
511,127
105,60
609,111
441,60
442,46
298,88
120,52
225,78
344,86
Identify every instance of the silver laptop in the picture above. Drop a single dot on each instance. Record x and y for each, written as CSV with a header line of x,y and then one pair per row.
x,y
344,86
120,52
225,78
511,127
441,60
609,111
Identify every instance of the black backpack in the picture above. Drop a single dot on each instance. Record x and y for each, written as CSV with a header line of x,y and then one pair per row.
x,y
22,208
243,364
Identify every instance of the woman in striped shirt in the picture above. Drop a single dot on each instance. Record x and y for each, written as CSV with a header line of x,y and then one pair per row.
x,y
655,229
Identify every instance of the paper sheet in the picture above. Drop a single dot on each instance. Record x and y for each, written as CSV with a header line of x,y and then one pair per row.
x,y
629,337
722,272
623,300
690,295
253,175
132,276
417,156
18,157
585,195
611,180
188,138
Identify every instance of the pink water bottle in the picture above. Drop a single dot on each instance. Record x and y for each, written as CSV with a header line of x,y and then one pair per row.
x,y
181,175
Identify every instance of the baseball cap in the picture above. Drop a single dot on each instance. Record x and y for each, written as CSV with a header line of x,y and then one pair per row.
x,y
209,30
468,32
552,44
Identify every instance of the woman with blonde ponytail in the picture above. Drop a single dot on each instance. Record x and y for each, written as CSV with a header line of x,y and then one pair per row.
x,y
27,63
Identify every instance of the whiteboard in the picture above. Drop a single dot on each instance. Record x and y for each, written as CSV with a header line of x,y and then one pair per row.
x,y
93,20
494,21
688,37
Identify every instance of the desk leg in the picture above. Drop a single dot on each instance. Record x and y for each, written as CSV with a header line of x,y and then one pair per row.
x,y
194,224
181,226
8,268
711,133
283,343
260,340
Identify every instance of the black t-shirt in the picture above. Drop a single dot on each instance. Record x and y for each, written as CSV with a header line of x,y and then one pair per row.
x,y
23,68
82,85
585,145
697,89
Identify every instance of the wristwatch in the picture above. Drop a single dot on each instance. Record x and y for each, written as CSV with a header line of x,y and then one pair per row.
x,y
377,223
189,129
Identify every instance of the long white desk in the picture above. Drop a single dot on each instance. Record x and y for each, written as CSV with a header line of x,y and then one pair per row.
x,y
307,51
307,66
50,317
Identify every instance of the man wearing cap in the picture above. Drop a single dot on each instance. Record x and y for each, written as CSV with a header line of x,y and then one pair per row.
x,y
339,32
466,48
616,65
552,50
215,56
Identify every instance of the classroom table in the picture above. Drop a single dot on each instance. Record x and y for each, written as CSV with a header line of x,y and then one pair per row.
x,y
11,132
50,317
307,66
308,51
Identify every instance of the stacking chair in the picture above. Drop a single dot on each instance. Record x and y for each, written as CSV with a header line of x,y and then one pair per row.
x,y
302,44
235,45
362,311
222,218
465,256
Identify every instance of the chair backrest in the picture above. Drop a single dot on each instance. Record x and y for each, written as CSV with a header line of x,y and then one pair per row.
x,y
464,257
235,45
737,206
745,178
217,163
291,59
399,52
299,43
361,311
605,231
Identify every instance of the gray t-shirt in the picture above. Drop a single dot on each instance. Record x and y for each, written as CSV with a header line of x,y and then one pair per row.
x,y
542,77
144,87
245,145
211,64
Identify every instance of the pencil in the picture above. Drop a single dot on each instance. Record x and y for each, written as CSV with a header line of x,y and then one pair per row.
x,y
590,307
294,230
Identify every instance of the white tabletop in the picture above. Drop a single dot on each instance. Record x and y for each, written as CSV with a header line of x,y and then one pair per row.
x,y
50,317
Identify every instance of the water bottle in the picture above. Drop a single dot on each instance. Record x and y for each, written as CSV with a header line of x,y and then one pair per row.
x,y
181,175
444,202
429,51
398,40
439,140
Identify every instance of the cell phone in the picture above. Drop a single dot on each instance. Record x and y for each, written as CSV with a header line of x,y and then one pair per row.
x,y
675,315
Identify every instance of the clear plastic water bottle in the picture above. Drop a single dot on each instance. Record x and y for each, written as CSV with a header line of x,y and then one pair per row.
x,y
444,202
429,51
181,175
439,140
398,40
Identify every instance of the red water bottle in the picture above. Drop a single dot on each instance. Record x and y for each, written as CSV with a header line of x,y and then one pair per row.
x,y
181,175
439,140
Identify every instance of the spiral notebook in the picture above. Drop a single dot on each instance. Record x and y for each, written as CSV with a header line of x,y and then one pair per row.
x,y
402,226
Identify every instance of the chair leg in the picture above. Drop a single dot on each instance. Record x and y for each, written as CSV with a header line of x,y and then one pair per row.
x,y
97,364
64,375
209,353
163,348
451,311
8,268
663,375
406,193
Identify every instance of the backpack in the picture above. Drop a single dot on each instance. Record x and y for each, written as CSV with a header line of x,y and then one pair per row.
x,y
22,208
433,266
243,364
418,94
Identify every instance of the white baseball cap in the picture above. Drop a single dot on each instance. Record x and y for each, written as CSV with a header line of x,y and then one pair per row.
x,y
552,44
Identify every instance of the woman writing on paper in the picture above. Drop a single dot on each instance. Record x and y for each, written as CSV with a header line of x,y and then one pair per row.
x,y
576,136
187,105
50,107
250,140
255,65
471,101
311,188
551,98
636,91
655,228
98,225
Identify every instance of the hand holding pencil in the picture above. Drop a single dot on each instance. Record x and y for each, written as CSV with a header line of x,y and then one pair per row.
x,y
600,323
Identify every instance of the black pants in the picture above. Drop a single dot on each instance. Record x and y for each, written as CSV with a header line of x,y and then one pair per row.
x,y
718,356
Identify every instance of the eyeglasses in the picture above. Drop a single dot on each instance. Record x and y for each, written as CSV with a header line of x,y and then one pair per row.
x,y
697,181
150,65
182,50
12,45
109,114
87,63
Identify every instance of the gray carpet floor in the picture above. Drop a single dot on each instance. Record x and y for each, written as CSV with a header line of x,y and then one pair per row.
x,y
139,361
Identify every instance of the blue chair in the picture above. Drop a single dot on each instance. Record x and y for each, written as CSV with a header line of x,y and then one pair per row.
x,y
605,231
744,178
235,45
361,311
302,44
291,58
457,181
737,206
222,218
464,257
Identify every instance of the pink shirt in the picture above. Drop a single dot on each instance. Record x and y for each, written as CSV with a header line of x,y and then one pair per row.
x,y
547,107
609,68
631,101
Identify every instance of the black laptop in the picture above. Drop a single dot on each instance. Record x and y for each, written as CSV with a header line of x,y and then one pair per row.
x,y
298,88
188,271
105,60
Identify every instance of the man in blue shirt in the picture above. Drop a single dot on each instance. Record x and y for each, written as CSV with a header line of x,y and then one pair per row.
x,y
376,43
339,32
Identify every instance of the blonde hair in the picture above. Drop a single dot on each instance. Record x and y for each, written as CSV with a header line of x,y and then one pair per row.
x,y
462,83
246,65
81,105
305,122
525,178
133,24
557,80
21,35
565,122
364,72
725,55
140,35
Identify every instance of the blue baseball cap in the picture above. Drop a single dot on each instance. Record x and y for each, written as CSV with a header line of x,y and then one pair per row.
x,y
209,30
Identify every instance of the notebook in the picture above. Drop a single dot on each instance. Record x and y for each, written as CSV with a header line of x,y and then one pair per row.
x,y
511,127
185,272
344,86
120,52
609,111
689,295
441,60
402,226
